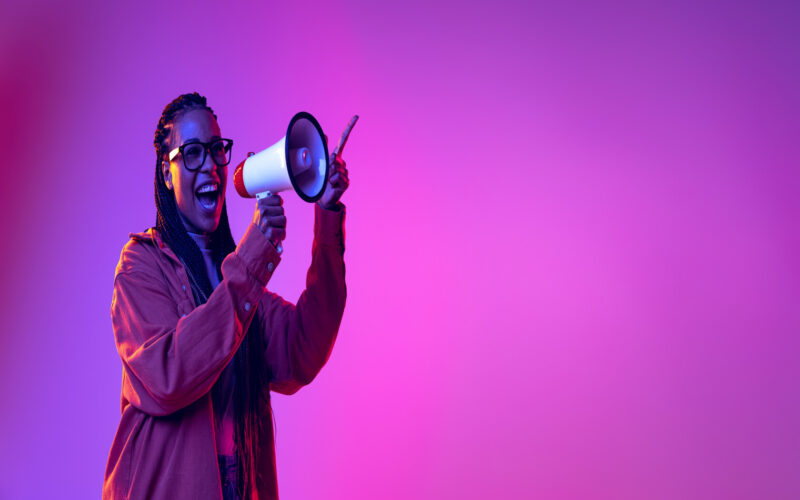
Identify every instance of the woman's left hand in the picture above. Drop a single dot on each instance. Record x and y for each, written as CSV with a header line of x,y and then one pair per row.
x,y
338,182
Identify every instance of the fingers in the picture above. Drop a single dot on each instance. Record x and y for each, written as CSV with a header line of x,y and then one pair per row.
x,y
270,217
270,201
336,159
346,134
338,165
277,221
338,176
270,211
269,207
274,228
339,180
272,221
276,234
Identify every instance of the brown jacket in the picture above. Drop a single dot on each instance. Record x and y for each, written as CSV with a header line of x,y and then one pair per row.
x,y
173,352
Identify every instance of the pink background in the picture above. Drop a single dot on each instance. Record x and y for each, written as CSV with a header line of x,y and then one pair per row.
x,y
572,237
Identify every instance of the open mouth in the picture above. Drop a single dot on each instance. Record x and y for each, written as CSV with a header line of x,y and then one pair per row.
x,y
208,196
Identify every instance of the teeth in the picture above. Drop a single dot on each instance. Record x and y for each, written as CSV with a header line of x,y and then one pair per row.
x,y
207,188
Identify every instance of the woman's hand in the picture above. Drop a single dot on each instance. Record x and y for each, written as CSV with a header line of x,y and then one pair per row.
x,y
338,182
270,219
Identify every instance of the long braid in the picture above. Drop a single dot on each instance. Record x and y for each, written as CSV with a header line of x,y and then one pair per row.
x,y
250,370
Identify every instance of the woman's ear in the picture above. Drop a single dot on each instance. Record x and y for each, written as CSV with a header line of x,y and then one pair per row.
x,y
167,174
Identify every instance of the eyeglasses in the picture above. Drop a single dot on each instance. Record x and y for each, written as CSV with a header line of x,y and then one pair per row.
x,y
194,153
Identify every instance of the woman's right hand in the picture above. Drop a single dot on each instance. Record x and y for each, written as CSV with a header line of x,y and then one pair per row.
x,y
270,219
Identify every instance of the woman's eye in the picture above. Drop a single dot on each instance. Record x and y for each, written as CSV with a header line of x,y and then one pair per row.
x,y
192,152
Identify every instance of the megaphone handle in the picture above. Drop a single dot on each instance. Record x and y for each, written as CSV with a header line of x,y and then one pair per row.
x,y
261,196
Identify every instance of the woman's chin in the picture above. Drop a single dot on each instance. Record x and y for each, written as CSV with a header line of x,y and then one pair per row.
x,y
209,213
201,223
210,224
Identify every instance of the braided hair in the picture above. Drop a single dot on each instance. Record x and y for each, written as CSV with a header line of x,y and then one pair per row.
x,y
250,371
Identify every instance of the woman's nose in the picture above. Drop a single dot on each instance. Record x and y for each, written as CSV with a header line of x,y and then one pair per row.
x,y
208,165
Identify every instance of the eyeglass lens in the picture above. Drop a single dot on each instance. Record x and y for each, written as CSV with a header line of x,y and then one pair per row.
x,y
195,154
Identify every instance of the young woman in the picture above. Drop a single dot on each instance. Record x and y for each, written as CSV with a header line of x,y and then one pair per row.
x,y
201,339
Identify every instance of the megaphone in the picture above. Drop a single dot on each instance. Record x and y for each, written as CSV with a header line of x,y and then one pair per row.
x,y
298,161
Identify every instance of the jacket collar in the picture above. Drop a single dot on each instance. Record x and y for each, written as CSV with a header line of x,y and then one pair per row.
x,y
152,236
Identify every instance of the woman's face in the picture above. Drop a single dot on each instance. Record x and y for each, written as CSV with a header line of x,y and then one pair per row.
x,y
200,212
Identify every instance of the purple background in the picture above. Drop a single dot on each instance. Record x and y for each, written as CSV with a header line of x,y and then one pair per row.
x,y
572,237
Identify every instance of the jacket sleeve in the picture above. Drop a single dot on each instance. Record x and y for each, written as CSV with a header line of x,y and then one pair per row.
x,y
171,360
299,339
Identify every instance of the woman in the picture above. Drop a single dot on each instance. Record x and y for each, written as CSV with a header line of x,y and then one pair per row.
x,y
202,341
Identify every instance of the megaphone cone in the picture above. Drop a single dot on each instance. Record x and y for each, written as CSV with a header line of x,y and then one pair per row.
x,y
298,161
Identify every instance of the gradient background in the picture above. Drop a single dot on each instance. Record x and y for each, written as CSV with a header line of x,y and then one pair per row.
x,y
572,237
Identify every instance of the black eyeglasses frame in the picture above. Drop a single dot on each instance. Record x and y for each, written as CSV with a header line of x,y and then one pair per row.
x,y
228,145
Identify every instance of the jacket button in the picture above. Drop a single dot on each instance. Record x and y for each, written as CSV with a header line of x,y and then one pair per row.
x,y
270,267
184,287
183,315
247,306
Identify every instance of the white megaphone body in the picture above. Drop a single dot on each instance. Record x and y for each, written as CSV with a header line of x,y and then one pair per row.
x,y
299,161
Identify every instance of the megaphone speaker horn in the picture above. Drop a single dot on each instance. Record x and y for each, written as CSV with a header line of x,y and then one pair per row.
x,y
298,161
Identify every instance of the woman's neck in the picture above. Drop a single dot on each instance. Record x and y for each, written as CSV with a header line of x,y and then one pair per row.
x,y
203,240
